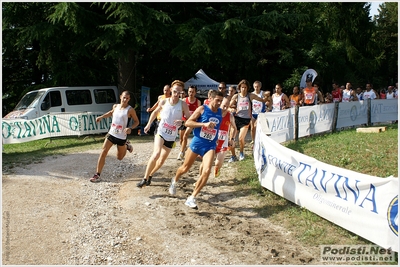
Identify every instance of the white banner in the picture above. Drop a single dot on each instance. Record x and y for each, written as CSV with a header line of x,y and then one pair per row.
x,y
352,113
315,119
384,110
53,125
363,204
280,123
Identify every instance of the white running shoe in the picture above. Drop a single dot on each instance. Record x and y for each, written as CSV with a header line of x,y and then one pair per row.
x,y
241,157
172,188
191,202
181,156
129,146
232,159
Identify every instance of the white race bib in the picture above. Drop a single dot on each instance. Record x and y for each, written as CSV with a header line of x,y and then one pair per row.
x,y
207,133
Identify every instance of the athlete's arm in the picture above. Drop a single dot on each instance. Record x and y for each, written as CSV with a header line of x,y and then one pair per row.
x,y
186,111
192,121
107,114
153,116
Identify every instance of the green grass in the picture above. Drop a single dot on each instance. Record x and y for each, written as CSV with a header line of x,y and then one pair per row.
x,y
15,155
369,153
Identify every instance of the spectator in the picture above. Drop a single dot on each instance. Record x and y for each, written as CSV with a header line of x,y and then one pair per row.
x,y
336,93
319,97
295,97
309,93
348,94
382,94
359,93
369,93
328,98
280,101
390,93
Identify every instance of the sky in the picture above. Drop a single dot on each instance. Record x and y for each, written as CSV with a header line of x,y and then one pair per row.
x,y
374,8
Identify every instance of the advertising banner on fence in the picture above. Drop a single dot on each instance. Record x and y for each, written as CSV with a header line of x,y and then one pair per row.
x,y
53,125
315,119
281,124
352,113
363,204
384,110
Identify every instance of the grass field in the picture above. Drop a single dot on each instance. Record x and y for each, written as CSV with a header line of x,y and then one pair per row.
x,y
369,153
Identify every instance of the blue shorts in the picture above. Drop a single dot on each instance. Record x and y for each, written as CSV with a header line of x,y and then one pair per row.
x,y
201,146
255,116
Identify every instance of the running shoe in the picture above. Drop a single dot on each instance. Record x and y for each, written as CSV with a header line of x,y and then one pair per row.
x,y
217,172
241,156
95,178
181,156
149,181
191,202
172,188
142,183
129,146
232,159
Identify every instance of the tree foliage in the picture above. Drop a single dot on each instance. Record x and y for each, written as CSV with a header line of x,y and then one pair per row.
x,y
131,44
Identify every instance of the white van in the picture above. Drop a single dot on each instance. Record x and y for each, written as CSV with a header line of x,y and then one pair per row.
x,y
65,99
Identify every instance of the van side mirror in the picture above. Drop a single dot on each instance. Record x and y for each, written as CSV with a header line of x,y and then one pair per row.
x,y
45,105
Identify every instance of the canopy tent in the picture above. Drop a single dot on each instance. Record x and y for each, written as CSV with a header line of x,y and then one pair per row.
x,y
203,83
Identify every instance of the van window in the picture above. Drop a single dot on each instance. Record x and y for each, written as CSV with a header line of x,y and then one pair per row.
x,y
104,96
52,99
78,97
29,100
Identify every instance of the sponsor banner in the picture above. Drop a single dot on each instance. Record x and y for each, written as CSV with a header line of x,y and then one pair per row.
x,y
384,110
363,204
145,104
315,119
280,123
352,113
53,125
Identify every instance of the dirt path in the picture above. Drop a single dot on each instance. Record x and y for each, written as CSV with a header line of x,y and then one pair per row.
x,y
53,215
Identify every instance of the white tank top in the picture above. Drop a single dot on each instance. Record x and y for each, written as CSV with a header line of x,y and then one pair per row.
x,y
119,122
169,113
346,96
277,102
390,95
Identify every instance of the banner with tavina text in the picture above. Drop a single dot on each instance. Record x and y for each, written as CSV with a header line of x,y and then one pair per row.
x,y
363,204
53,125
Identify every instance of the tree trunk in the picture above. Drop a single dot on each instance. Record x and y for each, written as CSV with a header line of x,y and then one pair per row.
x,y
127,76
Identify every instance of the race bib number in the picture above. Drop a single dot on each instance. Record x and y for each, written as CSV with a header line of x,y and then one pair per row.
x,y
336,99
243,106
116,128
292,103
169,129
222,135
346,99
308,96
257,107
207,133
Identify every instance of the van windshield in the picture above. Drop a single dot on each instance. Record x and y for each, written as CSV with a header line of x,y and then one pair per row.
x,y
29,100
